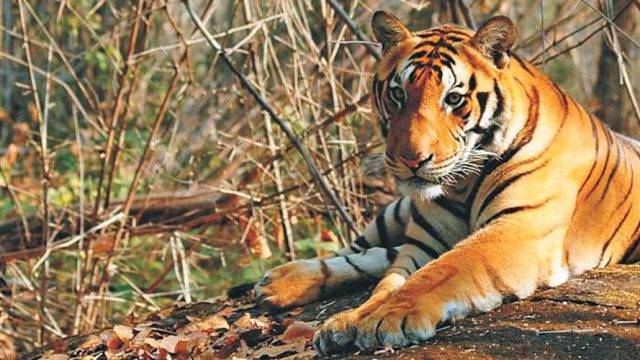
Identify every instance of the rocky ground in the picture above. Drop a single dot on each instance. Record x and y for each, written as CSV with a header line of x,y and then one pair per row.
x,y
595,316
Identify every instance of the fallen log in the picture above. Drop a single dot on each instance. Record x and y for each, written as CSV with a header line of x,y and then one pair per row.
x,y
159,213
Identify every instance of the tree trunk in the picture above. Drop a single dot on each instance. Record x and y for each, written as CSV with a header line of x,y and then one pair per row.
x,y
615,103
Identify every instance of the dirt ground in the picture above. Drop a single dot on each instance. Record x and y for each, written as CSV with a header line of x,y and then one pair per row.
x,y
595,316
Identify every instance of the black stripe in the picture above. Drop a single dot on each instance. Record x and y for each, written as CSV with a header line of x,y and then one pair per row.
x,y
562,95
500,188
607,136
428,228
630,251
362,242
522,64
597,152
450,207
615,232
326,274
437,70
450,48
418,55
631,182
482,101
447,64
359,270
472,82
403,327
489,134
455,39
523,138
392,254
447,58
633,246
402,268
511,210
396,212
415,262
500,99
616,165
354,249
425,43
381,226
424,247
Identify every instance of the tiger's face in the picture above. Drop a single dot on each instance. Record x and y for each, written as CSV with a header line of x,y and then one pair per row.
x,y
439,102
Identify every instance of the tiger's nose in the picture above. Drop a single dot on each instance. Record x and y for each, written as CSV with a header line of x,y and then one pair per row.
x,y
416,162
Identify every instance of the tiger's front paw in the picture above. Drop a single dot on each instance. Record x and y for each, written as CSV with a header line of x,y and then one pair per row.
x,y
398,323
338,334
292,284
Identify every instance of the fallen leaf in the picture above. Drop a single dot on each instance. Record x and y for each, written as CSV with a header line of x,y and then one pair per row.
x,y
309,354
89,343
226,312
125,333
114,343
279,351
141,337
296,311
229,345
180,344
245,321
208,324
57,357
299,330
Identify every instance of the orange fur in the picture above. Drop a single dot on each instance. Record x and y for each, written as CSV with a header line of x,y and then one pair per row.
x,y
559,194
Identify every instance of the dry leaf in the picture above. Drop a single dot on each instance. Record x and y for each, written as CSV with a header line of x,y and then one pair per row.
x,y
180,344
309,354
114,344
230,345
90,342
21,133
141,337
255,242
329,236
152,342
8,348
57,357
226,312
296,311
11,155
208,324
278,351
125,333
297,331
245,321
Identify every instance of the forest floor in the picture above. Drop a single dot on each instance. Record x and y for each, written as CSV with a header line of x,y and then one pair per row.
x,y
595,316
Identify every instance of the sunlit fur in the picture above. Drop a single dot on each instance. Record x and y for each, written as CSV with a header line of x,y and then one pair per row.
x,y
517,188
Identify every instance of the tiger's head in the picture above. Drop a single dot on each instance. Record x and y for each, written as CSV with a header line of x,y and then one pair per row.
x,y
440,101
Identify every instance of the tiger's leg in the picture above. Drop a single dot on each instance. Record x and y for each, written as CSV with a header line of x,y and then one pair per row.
x,y
432,231
364,261
512,255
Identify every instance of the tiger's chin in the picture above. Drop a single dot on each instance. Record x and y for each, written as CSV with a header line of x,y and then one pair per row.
x,y
420,189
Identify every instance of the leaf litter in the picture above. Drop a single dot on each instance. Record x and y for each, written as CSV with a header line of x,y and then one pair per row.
x,y
224,329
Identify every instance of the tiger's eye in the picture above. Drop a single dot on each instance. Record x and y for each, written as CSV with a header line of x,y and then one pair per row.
x,y
453,99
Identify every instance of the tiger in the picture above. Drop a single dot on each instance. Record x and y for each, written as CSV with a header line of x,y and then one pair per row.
x,y
508,185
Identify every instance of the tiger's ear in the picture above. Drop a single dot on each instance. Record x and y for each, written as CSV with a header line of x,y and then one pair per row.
x,y
388,29
494,39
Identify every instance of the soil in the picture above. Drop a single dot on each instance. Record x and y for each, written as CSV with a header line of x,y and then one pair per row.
x,y
595,316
